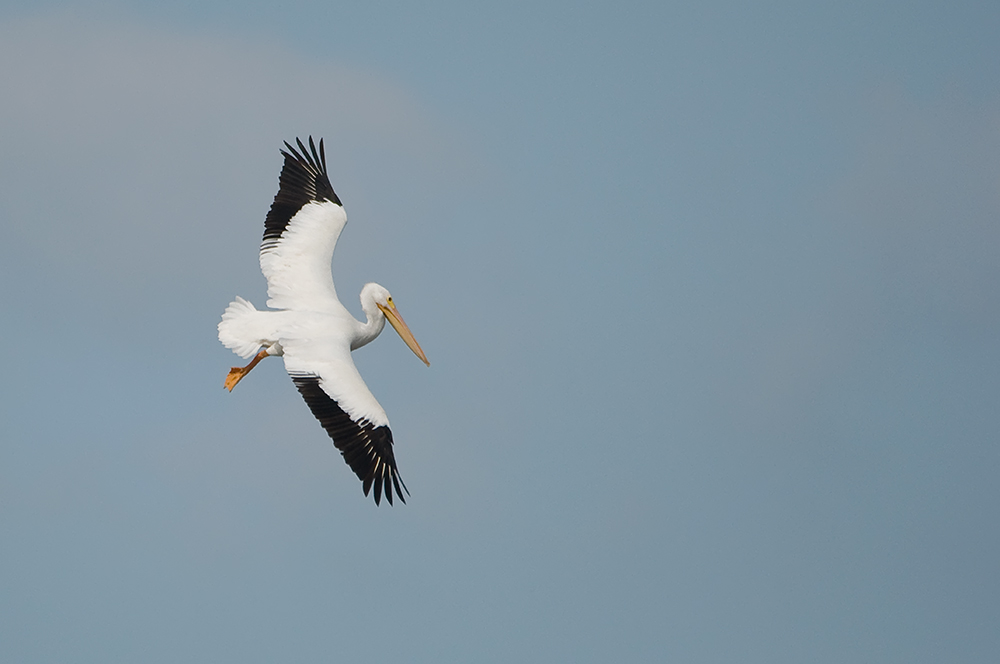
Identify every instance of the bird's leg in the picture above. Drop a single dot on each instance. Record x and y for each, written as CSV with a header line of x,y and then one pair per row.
x,y
236,373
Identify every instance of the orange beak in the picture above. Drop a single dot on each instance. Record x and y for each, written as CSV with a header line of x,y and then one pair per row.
x,y
403,330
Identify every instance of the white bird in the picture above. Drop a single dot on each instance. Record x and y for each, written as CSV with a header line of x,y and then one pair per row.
x,y
312,330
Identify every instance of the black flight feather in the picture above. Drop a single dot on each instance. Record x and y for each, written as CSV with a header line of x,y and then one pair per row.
x,y
303,180
367,449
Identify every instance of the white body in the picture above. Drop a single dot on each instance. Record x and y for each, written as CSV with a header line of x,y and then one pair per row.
x,y
315,333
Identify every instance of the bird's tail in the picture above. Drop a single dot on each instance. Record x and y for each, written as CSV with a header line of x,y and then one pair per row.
x,y
238,329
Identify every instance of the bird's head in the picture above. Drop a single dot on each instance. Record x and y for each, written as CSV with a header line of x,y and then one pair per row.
x,y
380,297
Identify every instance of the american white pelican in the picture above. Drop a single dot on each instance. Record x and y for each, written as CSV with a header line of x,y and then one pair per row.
x,y
312,330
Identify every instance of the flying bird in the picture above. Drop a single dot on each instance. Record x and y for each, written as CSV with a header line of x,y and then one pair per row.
x,y
311,329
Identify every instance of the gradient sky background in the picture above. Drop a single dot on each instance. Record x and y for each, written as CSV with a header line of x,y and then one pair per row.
x,y
710,294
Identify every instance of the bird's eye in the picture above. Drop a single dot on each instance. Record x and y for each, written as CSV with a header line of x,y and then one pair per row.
x,y
389,300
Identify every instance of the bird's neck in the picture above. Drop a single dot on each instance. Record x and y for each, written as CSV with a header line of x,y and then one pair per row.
x,y
368,330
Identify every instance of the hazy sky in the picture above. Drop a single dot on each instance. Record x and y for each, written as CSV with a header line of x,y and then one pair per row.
x,y
710,294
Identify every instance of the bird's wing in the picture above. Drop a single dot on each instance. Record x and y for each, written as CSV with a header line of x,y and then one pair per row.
x,y
340,400
300,233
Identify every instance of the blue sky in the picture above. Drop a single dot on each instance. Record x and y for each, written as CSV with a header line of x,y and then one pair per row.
x,y
709,294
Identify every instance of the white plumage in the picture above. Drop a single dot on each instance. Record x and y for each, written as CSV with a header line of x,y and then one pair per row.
x,y
311,329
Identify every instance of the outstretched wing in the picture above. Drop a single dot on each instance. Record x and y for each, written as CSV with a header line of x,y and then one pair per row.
x,y
340,400
301,232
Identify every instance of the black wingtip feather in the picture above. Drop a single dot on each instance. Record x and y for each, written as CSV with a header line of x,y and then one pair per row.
x,y
397,482
367,449
378,491
303,180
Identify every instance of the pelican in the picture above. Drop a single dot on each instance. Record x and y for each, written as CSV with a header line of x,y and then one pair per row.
x,y
311,329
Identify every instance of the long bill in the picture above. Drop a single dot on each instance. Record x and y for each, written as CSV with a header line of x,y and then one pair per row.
x,y
403,330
